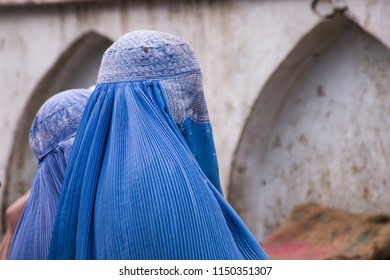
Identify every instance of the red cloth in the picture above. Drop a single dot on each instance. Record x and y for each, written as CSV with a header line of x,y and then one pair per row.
x,y
4,245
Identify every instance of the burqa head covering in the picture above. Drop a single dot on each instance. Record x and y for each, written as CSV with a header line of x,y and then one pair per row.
x,y
51,138
142,182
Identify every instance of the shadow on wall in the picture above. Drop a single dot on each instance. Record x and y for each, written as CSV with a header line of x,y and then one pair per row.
x,y
77,67
318,132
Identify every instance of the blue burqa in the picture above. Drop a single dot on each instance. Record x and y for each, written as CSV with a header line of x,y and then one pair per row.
x,y
51,138
142,181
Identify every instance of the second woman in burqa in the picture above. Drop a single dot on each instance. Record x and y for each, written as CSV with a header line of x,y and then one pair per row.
x,y
51,138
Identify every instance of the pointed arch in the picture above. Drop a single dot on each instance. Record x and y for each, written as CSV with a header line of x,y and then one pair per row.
x,y
318,130
76,67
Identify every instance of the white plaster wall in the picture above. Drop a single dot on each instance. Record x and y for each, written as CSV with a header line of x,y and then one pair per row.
x,y
239,44
328,140
372,15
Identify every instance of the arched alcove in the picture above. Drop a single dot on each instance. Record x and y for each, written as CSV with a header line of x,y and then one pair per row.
x,y
319,131
77,67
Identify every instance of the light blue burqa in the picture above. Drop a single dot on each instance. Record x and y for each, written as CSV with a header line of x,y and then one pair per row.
x,y
142,181
51,138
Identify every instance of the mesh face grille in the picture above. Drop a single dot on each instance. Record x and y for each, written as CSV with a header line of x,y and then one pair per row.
x,y
186,99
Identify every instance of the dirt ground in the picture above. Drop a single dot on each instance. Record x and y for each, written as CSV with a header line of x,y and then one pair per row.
x,y
315,232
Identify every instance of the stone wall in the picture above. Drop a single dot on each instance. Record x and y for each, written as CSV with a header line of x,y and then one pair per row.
x,y
248,51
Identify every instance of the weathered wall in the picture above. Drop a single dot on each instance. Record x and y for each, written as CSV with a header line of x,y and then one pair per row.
x,y
238,44
7,3
322,135
241,45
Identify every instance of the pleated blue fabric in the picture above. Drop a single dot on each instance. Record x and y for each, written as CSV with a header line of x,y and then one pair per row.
x,y
142,181
51,138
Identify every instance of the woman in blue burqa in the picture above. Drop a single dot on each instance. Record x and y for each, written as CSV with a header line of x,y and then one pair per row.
x,y
51,138
142,181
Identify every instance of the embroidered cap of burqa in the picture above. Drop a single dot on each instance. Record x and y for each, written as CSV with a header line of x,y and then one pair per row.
x,y
142,182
